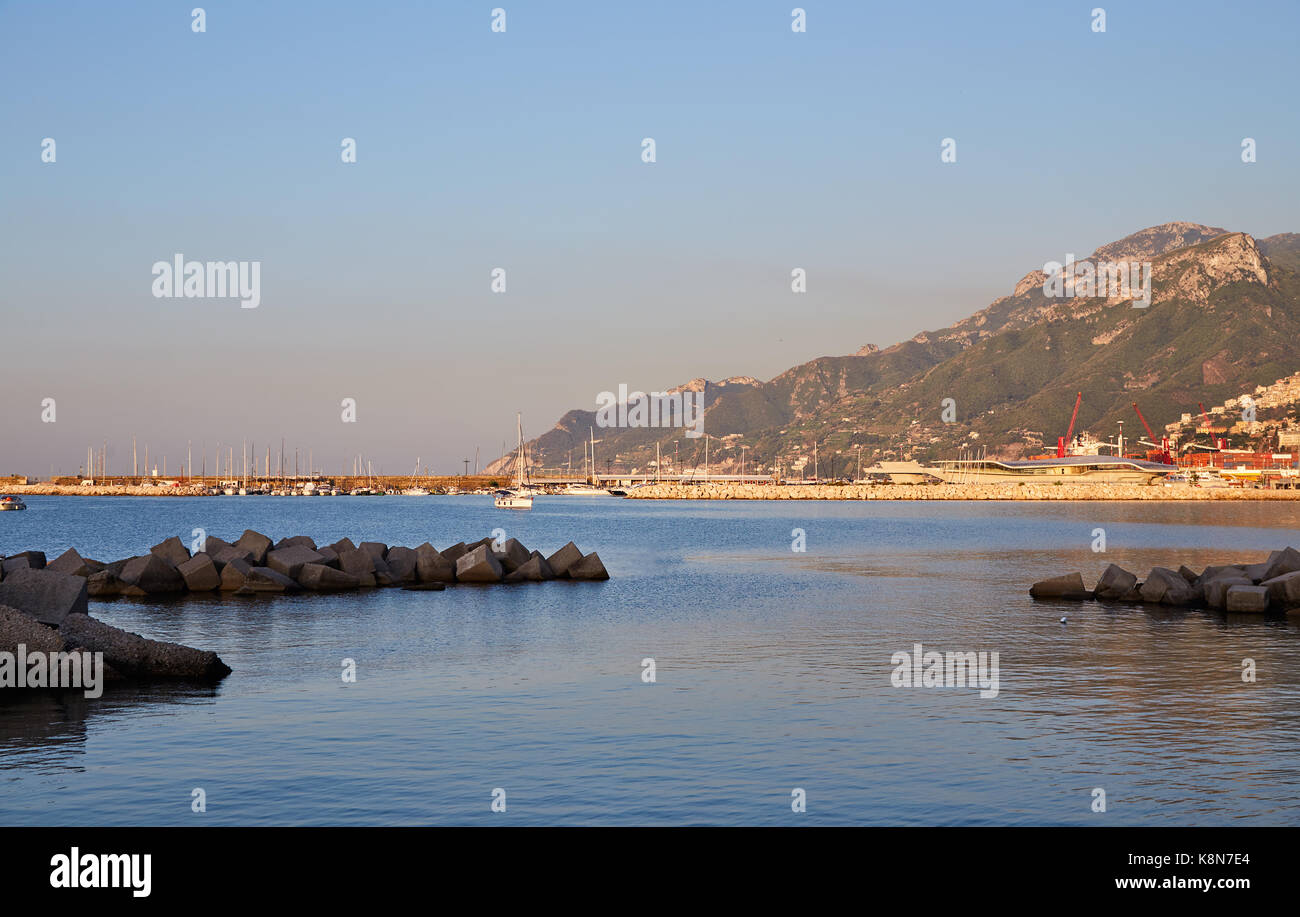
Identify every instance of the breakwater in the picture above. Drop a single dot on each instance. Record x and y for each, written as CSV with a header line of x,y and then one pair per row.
x,y
1272,585
44,607
212,486
1061,492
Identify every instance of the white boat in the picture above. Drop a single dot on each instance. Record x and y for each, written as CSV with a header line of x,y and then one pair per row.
x,y
12,503
521,497
584,490
1070,469
415,492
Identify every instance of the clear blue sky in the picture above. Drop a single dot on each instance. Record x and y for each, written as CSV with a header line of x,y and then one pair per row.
x,y
522,150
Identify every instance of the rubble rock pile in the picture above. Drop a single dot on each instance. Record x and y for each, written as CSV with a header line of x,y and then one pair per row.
x,y
1272,585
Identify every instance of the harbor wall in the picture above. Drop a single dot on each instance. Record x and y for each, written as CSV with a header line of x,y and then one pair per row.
x,y
1068,492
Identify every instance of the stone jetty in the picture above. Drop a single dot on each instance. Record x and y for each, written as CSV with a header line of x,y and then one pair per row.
x,y
44,606
254,564
1270,586
1047,491
45,611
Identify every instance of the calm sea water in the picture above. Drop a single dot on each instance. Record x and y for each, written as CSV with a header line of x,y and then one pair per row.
x,y
773,672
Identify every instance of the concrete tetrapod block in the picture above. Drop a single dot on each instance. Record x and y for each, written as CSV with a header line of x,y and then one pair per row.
x,y
290,560
172,551
151,575
200,573
1287,561
212,545
1259,571
47,596
512,555
256,544
70,562
478,566
226,554
1247,599
1284,590
27,560
1115,583
359,563
1214,570
1168,587
401,564
234,575
456,551
591,568
103,585
320,578
137,657
432,566
533,570
1216,589
264,579
564,558
1068,586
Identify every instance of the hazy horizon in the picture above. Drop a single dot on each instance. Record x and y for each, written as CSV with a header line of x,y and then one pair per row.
x,y
521,150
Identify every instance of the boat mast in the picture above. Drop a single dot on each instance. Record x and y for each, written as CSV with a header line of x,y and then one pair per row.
x,y
519,460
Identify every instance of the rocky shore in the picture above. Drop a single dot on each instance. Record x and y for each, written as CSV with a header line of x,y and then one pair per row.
x,y
1272,585
1066,492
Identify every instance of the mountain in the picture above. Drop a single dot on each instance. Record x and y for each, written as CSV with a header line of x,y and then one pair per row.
x,y
1223,317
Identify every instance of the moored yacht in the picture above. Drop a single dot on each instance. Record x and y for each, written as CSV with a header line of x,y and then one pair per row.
x,y
1069,469
521,497
584,490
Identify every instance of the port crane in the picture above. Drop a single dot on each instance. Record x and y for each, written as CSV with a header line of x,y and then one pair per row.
x,y
1163,446
1063,441
1217,443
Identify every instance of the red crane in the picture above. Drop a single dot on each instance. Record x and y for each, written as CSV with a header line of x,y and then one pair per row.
x,y
1069,435
1217,443
1164,440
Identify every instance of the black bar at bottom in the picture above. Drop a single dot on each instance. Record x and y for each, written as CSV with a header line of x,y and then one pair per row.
x,y
334,865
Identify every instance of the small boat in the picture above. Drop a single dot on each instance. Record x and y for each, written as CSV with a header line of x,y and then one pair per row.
x,y
415,492
584,490
509,499
522,496
12,503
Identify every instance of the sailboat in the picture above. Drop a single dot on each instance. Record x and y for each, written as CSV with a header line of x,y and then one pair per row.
x,y
415,490
587,488
518,498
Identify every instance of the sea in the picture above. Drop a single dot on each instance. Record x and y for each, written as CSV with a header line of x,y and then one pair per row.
x,y
743,665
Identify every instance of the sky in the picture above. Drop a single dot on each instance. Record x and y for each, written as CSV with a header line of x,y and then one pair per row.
x,y
522,150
